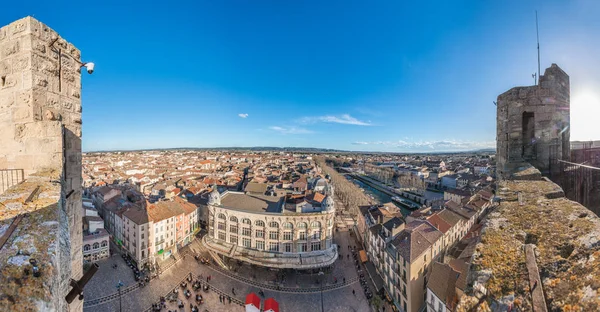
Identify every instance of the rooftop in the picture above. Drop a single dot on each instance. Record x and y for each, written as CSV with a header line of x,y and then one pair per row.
x,y
415,239
251,202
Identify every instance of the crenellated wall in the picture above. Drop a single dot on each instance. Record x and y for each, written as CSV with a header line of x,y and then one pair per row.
x,y
40,118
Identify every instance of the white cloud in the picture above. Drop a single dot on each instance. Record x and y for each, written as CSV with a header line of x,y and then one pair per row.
x,y
342,119
290,130
243,115
442,145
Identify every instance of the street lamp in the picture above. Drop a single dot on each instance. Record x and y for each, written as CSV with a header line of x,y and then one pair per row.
x,y
322,275
119,285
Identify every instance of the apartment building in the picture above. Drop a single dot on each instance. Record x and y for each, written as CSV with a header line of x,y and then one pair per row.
x,y
165,216
416,247
447,283
136,225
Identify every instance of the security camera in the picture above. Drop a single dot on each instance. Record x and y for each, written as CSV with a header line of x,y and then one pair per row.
x,y
90,67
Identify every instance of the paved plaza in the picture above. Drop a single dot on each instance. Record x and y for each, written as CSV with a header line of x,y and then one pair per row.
x,y
294,291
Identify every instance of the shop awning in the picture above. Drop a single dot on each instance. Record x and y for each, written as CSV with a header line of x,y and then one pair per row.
x,y
377,280
363,256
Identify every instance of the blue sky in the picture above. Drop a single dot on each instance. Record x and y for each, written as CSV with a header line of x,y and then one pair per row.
x,y
353,75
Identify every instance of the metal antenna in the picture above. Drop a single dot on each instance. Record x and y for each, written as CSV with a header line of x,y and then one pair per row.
x,y
537,31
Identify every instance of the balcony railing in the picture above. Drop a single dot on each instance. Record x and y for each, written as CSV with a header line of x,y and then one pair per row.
x,y
10,177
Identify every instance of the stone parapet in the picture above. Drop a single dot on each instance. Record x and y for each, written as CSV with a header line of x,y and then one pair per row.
x,y
33,226
566,239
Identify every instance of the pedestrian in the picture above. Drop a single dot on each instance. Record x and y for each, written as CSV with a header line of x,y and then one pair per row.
x,y
233,291
348,256
229,300
353,292
344,280
220,298
207,278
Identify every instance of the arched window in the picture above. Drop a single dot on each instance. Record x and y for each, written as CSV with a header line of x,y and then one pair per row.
x,y
246,221
273,224
302,225
315,224
222,216
233,219
86,247
288,226
96,245
259,223
103,244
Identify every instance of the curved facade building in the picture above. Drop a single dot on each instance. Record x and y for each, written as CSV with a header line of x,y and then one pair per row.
x,y
290,231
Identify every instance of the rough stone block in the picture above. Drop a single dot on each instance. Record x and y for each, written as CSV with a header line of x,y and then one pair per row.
x,y
19,26
10,48
27,80
7,101
24,98
21,114
21,62
10,81
67,104
40,81
74,92
5,67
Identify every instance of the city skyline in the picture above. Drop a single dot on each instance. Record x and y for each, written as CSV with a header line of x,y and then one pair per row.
x,y
391,78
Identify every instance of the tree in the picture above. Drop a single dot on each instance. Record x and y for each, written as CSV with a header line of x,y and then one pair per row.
x,y
376,302
348,193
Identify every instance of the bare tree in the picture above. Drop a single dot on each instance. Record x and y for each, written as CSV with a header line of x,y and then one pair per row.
x,y
347,192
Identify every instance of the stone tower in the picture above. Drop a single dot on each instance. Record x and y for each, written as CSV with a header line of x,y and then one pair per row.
x,y
40,118
533,125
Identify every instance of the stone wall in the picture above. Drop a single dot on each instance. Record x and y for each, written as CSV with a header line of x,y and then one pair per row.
x,y
533,124
39,235
40,115
566,237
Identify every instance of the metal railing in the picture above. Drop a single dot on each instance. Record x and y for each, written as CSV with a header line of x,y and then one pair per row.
x,y
581,183
10,177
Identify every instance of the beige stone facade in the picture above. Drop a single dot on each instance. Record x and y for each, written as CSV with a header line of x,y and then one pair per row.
x,y
95,246
273,239
40,118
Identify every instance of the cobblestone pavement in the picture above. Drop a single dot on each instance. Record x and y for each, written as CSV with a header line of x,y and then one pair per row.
x,y
297,292
106,279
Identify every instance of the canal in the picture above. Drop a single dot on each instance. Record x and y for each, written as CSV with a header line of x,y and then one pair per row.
x,y
378,195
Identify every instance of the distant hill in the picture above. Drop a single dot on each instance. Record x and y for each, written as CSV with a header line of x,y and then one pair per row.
x,y
294,150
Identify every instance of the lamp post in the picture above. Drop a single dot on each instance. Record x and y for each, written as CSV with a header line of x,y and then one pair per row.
x,y
119,285
322,275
